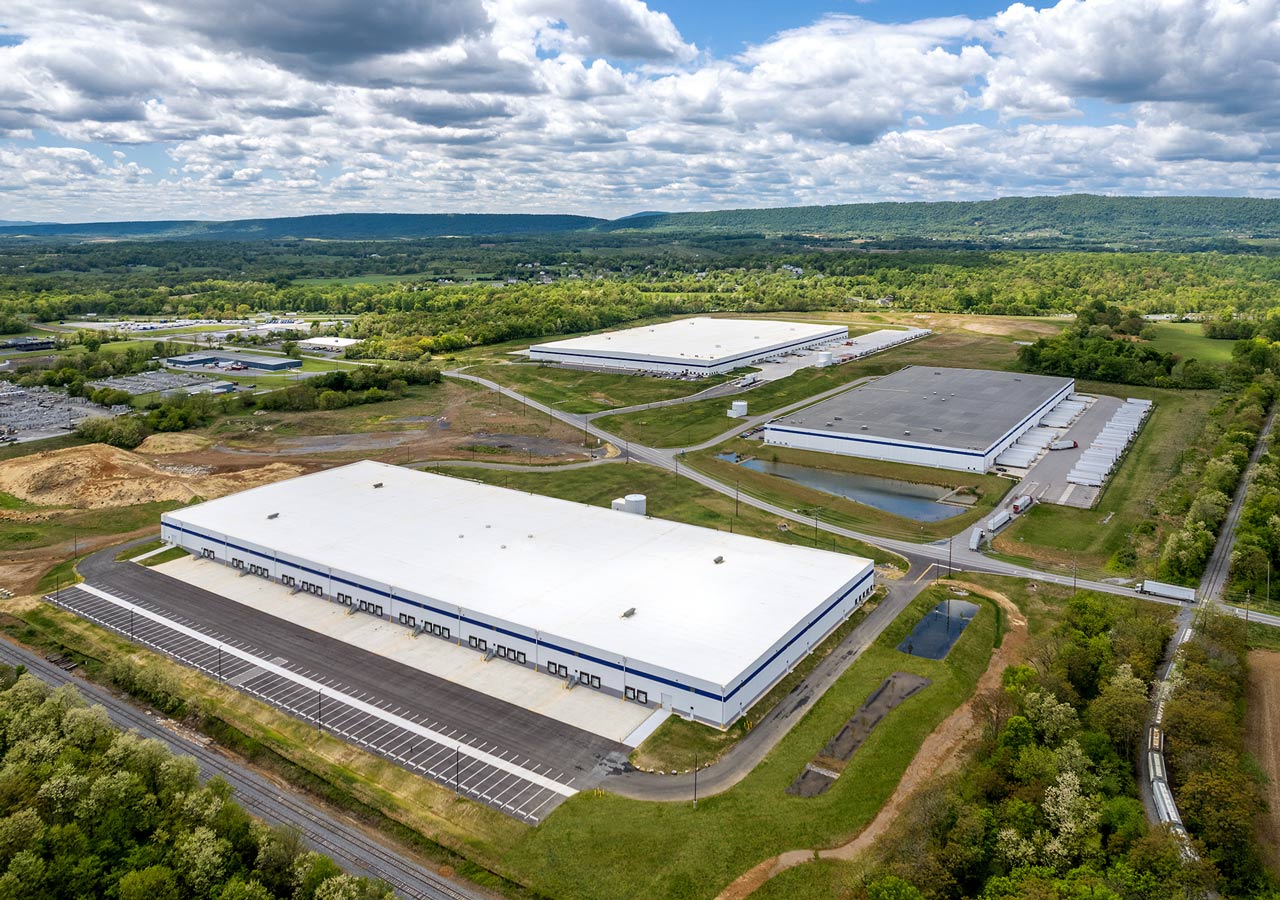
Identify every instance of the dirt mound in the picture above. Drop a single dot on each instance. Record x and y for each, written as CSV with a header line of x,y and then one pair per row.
x,y
159,444
98,476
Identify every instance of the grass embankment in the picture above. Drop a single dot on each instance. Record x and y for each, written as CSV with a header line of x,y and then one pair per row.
x,y
702,420
83,524
836,510
1061,536
669,497
575,391
1187,340
598,845
679,743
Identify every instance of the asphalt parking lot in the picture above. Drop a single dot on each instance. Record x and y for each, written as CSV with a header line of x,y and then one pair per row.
x,y
482,770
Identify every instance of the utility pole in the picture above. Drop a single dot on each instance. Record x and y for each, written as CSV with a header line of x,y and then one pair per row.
x,y
949,540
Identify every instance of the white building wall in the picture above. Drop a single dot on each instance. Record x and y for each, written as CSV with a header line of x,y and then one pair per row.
x,y
719,705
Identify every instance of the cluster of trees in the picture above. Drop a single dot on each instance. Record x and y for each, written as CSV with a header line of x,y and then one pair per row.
x,y
1201,494
330,390
1094,352
90,811
349,387
73,371
1047,807
1215,783
1257,549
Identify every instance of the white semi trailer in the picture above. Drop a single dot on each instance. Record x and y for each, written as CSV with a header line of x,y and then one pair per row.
x,y
1171,591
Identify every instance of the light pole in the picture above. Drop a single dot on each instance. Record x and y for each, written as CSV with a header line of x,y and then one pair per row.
x,y
735,499
695,781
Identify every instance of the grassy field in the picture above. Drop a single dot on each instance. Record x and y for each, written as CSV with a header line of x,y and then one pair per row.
x,y
1090,538
25,535
989,489
669,497
702,420
601,846
586,392
679,741
1187,340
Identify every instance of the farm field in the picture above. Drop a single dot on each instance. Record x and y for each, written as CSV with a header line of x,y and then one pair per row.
x,y
1187,340
577,391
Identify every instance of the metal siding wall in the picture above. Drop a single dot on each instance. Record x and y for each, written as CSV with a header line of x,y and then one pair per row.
x,y
920,456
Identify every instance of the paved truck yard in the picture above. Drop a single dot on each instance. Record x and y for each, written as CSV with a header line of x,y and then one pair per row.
x,y
508,757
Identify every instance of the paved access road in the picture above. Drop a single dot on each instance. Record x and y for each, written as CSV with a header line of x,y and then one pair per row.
x,y
551,749
324,830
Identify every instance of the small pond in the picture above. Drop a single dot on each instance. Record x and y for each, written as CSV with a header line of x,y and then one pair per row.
x,y
918,502
940,628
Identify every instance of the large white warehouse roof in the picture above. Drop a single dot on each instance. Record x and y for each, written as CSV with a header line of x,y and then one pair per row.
x,y
699,342
560,567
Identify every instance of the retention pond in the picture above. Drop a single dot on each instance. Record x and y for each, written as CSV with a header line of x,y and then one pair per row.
x,y
939,629
918,502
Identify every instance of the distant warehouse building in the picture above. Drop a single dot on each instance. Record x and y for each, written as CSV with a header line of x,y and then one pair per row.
x,y
327,344
926,416
697,346
233,360
664,614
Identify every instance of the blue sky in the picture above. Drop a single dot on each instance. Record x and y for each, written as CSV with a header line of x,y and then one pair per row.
x,y
120,109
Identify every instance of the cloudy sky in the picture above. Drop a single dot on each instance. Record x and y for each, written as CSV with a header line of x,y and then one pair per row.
x,y
214,109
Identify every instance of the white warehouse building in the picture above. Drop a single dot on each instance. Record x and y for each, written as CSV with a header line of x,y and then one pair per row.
x,y
660,613
697,346
926,416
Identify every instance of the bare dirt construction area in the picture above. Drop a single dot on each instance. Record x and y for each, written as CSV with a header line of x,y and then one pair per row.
x,y
97,476
1262,739
454,420
941,753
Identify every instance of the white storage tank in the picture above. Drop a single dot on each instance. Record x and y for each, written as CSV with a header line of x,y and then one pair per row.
x,y
635,503
738,409
619,504
824,358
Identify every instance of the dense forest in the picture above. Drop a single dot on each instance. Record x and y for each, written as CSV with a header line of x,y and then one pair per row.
x,y
90,811
1070,220
1048,806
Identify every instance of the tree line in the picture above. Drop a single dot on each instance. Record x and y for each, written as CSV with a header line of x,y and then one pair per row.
x,y
87,810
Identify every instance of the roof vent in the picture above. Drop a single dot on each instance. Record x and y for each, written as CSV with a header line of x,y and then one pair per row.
x,y
864,427
273,515
906,432
377,484
629,613
718,560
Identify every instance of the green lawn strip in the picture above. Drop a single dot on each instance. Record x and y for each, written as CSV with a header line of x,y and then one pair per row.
x,y
59,576
822,879
669,497
83,524
678,742
601,846
9,501
1062,535
167,556
1263,637
840,510
1187,340
575,391
130,552
701,420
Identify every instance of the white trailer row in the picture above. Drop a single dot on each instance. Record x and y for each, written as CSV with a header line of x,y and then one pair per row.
x,y
872,342
1096,463
1035,441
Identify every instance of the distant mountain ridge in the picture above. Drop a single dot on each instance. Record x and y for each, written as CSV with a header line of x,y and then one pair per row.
x,y
1075,218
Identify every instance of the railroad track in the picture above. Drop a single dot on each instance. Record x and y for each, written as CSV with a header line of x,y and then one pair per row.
x,y
346,842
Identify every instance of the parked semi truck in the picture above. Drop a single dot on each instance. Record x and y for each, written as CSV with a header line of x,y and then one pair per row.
x,y
1171,591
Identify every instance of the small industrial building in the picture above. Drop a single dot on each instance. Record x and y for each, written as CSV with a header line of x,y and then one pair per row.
x,y
659,613
926,416
327,344
225,360
22,344
697,346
